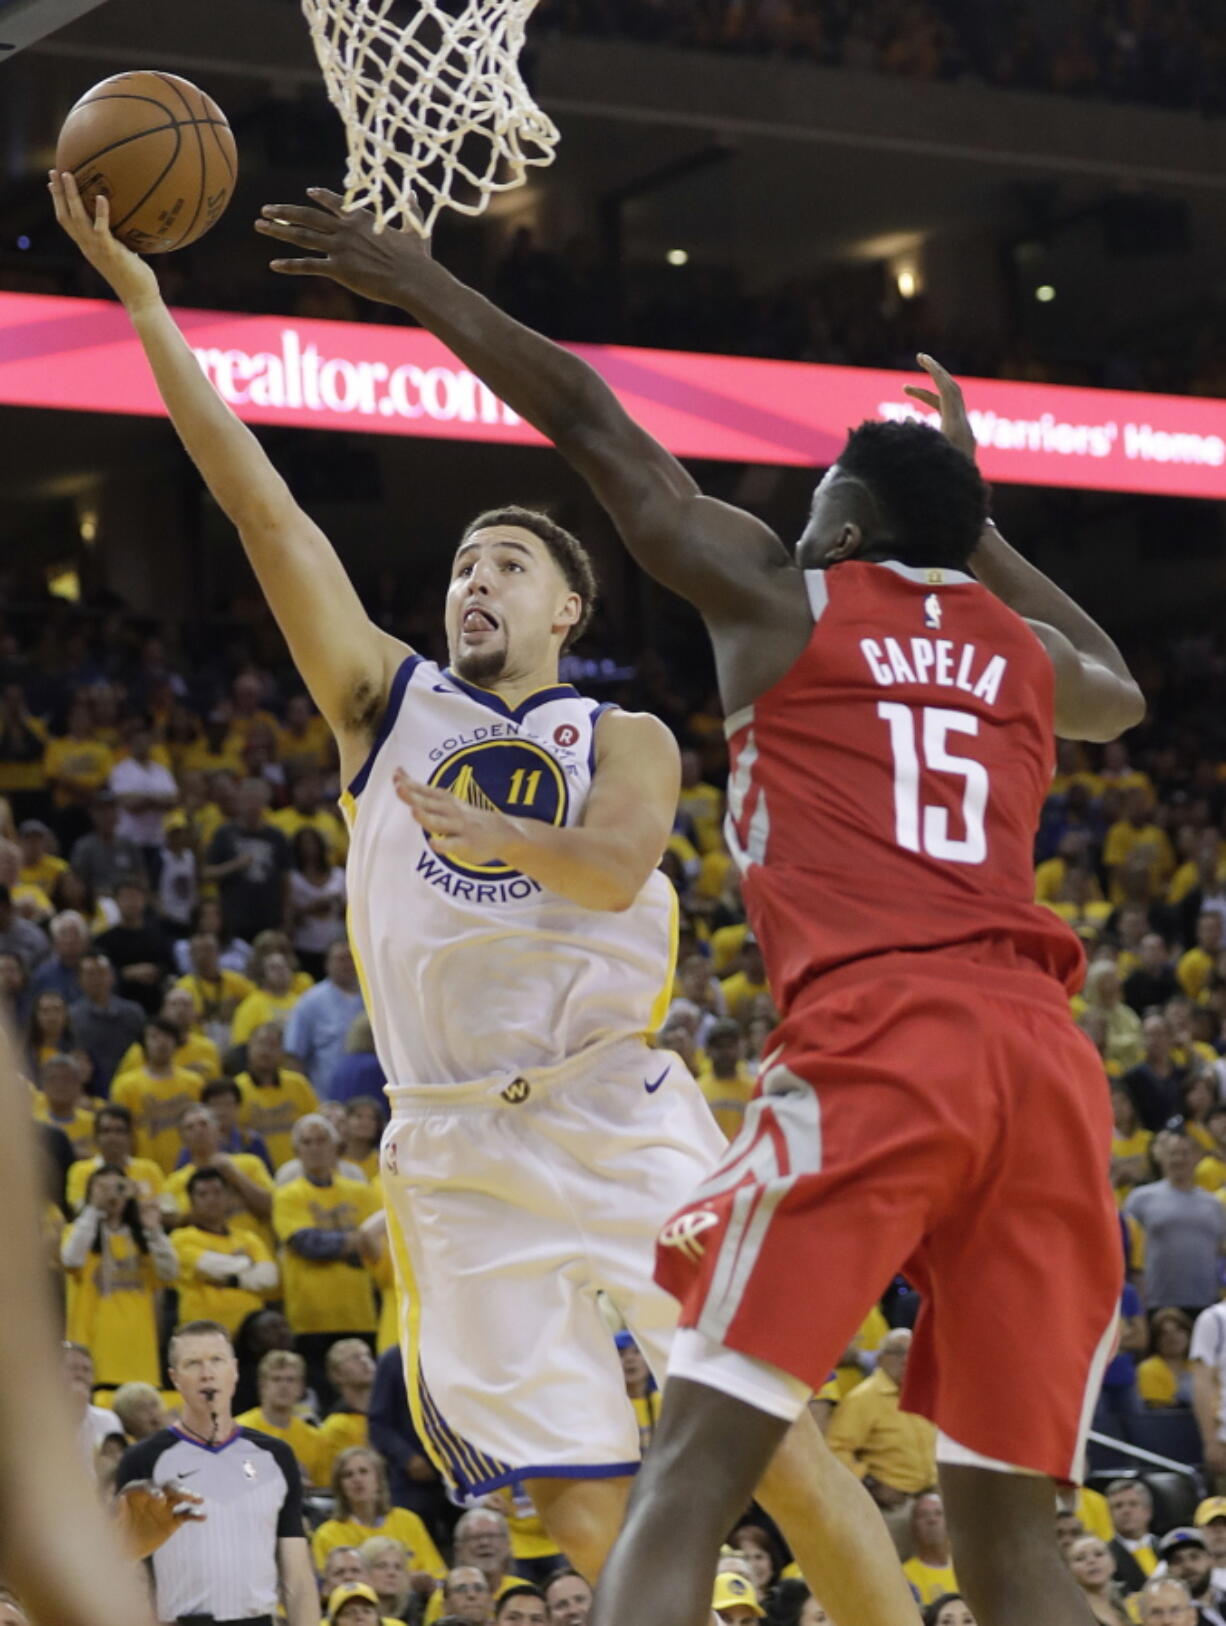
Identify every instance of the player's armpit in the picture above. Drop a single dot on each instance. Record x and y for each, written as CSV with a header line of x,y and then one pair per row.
x,y
1092,701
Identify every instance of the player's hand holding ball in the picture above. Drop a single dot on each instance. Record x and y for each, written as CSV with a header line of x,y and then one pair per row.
x,y
472,835
131,278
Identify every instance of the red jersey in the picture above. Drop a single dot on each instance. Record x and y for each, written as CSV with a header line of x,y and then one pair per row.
x,y
885,793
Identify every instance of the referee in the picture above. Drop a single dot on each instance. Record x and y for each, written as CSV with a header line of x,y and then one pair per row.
x,y
225,1570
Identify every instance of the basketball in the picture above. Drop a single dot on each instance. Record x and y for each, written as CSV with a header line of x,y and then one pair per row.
x,y
159,149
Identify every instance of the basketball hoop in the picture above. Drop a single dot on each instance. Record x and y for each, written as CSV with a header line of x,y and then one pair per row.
x,y
436,111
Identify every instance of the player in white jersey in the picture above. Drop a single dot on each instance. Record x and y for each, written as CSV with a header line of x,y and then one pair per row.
x,y
516,944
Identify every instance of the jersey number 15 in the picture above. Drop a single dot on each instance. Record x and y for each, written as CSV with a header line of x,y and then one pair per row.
x,y
925,829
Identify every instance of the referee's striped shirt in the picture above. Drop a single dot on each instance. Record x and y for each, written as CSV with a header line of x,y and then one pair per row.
x,y
226,1566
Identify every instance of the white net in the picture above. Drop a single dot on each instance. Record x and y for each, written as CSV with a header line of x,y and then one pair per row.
x,y
436,111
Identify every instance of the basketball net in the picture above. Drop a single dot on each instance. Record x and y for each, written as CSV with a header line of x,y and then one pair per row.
x,y
436,112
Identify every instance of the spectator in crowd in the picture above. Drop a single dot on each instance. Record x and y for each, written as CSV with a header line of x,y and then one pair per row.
x,y
1133,1545
1185,1229
1207,1354
275,1097
104,1025
465,1595
316,900
358,1071
225,1271
77,766
117,1257
23,745
1211,1170
930,1570
413,1478
1186,1556
224,1099
146,792
304,740
724,1079
114,1140
1104,995
1164,1379
15,990
1197,964
282,1387
103,858
324,1251
271,1000
61,972
364,1509
178,883
401,1589
246,1185
520,1605
49,1030
94,1423
735,1601
342,1567
351,1372
318,1026
262,1331
1093,1565
1164,1601
1153,982
354,1605
20,936
892,1451
950,1610
157,1095
362,1125
217,990
41,868
568,1597
1210,1520
139,1408
61,1103
136,948
1130,1146
640,1387
249,860
193,1050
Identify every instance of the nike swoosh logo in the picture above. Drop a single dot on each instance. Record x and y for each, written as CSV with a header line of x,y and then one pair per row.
x,y
651,1085
187,1473
441,688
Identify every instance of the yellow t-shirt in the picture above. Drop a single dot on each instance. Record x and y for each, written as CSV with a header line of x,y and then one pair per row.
x,y
1092,1509
740,993
301,1437
1123,838
242,1219
260,1007
87,762
79,1128
310,749
1193,971
930,1582
272,1110
156,1105
328,1295
111,1312
399,1524
1135,1145
1157,1384
197,755
44,875
26,772
384,1274
728,1097
145,1175
201,1298
1211,1173
330,829
196,1052
726,944
338,1431
217,1001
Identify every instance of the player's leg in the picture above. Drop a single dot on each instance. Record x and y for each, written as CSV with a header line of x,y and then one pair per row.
x,y
1005,1554
582,1516
835,1530
707,1454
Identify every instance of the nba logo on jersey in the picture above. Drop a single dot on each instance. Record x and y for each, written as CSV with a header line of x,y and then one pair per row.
x,y
932,611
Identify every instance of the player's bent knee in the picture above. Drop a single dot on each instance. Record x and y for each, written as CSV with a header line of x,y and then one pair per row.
x,y
582,1516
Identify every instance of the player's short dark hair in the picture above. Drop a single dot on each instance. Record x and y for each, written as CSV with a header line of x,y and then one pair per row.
x,y
196,1329
524,1590
201,1177
567,552
218,1087
930,495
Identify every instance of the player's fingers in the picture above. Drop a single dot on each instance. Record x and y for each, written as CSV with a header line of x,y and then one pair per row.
x,y
943,380
298,236
102,215
928,397
296,214
300,268
332,201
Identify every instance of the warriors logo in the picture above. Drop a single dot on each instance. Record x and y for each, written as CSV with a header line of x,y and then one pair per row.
x,y
513,776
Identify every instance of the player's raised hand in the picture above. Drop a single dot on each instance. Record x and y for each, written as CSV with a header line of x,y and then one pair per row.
x,y
131,277
473,835
149,1515
947,399
343,244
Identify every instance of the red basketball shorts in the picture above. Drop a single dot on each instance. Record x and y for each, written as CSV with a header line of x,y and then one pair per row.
x,y
939,1115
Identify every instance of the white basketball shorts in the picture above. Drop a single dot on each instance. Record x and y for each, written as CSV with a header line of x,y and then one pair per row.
x,y
511,1203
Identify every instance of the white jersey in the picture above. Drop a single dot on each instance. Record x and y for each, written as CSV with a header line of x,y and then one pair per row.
x,y
471,971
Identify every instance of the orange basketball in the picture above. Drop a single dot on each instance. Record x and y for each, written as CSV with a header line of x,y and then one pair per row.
x,y
162,152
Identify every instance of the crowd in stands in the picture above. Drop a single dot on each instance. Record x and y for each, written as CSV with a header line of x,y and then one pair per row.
x,y
173,956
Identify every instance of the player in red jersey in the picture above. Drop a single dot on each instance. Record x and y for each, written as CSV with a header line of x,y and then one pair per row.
x,y
927,1100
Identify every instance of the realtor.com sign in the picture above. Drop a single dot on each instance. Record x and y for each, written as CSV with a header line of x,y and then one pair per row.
x,y
81,355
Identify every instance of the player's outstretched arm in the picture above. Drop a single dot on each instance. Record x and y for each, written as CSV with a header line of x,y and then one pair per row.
x,y
602,863
346,663
712,554
1097,697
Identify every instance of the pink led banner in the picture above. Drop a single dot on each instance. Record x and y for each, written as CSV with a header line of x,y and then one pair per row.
x,y
80,354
